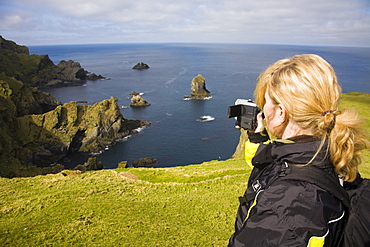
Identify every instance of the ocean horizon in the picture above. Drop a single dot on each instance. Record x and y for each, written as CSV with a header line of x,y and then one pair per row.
x,y
176,136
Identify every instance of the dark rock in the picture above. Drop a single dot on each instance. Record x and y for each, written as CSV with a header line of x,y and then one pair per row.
x,y
12,46
94,77
122,164
134,93
141,66
92,164
144,162
27,100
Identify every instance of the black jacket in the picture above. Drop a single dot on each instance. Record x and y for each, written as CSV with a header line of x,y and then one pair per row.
x,y
287,212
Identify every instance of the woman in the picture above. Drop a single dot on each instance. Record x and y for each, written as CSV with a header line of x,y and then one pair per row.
x,y
300,98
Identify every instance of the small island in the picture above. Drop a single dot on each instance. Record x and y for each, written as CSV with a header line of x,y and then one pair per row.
x,y
140,66
137,100
198,89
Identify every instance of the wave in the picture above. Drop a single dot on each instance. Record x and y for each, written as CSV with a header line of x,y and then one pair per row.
x,y
171,80
193,98
183,71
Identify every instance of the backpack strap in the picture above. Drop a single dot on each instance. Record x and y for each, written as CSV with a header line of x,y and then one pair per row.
x,y
320,178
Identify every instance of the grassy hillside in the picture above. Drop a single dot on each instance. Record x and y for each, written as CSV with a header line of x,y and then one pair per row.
x,y
181,206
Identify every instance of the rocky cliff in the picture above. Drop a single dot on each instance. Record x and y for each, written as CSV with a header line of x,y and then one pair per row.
x,y
198,88
42,139
36,130
39,70
26,100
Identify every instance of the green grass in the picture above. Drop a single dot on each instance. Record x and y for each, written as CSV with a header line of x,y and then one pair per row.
x,y
192,205
124,207
359,101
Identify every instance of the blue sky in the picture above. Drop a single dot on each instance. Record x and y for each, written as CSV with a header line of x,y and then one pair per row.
x,y
297,22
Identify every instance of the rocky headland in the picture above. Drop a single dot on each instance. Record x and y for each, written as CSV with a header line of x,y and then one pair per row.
x,y
198,88
36,129
39,70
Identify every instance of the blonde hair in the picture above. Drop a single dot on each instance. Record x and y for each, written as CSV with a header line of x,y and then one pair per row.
x,y
307,87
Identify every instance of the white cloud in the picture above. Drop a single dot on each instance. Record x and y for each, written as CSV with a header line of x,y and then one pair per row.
x,y
340,22
15,19
10,21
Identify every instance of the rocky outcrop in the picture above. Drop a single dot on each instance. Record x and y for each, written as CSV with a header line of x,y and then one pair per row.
x,y
26,100
16,100
39,70
31,138
137,100
239,151
74,128
122,164
140,66
12,46
70,73
144,162
92,164
198,88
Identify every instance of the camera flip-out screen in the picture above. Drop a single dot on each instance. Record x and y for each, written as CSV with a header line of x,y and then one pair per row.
x,y
245,113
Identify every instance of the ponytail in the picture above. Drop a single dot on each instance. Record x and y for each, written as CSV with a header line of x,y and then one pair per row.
x,y
346,140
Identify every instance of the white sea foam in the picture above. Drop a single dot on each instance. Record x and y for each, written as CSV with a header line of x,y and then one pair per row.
x,y
125,139
140,129
189,98
98,153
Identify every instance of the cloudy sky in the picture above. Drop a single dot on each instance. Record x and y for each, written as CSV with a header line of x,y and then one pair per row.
x,y
298,22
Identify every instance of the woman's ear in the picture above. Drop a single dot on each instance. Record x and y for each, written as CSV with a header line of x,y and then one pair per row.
x,y
282,114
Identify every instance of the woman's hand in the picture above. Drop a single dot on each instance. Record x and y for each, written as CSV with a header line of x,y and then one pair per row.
x,y
260,125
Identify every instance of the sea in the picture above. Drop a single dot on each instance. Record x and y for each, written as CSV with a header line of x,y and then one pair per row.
x,y
184,132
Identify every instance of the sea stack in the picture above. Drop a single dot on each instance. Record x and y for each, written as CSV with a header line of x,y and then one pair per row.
x,y
137,100
198,88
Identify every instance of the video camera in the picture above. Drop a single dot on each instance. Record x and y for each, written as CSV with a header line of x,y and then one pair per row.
x,y
245,112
